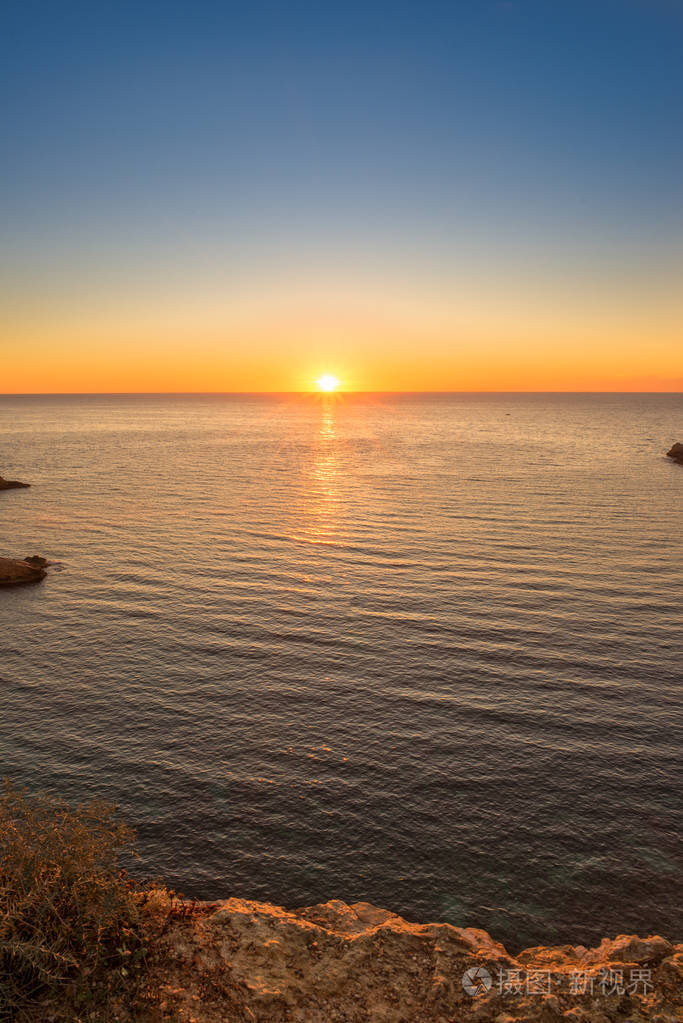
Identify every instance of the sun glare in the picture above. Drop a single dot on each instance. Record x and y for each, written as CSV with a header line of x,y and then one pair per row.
x,y
327,383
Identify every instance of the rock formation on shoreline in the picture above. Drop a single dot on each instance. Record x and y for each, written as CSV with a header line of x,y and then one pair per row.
x,y
12,484
676,452
333,963
15,572
36,561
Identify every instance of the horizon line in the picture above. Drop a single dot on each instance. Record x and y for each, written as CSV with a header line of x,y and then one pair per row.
x,y
307,393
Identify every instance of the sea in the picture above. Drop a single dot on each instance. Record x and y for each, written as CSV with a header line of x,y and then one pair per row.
x,y
422,651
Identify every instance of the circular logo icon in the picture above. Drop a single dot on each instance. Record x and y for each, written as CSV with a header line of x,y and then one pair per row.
x,y
476,981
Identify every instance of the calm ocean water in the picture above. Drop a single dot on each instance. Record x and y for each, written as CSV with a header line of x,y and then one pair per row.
x,y
423,651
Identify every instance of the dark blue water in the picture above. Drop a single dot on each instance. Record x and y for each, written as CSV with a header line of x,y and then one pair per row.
x,y
421,651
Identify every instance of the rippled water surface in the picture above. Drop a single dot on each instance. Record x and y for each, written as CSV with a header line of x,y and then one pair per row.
x,y
422,651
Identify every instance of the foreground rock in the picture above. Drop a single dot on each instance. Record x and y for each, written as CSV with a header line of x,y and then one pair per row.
x,y
12,484
676,453
248,961
15,573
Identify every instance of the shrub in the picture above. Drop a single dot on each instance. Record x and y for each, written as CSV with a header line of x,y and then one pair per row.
x,y
70,925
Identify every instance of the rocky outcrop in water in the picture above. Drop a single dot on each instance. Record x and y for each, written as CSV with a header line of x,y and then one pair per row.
x,y
333,963
15,572
36,561
676,453
12,484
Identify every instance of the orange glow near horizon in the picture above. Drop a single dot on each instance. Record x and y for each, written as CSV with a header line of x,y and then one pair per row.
x,y
387,339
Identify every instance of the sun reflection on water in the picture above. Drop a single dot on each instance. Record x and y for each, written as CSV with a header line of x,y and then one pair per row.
x,y
324,499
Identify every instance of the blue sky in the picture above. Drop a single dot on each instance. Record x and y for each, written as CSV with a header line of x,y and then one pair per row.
x,y
170,142
329,105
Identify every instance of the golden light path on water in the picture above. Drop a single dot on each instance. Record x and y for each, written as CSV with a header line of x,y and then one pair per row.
x,y
324,498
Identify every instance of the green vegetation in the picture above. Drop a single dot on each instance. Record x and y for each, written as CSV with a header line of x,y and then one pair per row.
x,y
71,935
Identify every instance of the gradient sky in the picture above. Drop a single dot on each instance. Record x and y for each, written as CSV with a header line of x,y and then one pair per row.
x,y
472,195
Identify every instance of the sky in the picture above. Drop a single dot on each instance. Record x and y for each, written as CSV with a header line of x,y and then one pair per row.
x,y
464,195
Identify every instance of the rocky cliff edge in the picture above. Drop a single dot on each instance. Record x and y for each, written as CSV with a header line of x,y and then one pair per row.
x,y
333,963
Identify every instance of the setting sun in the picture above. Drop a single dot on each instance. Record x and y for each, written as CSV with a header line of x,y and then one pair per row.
x,y
327,383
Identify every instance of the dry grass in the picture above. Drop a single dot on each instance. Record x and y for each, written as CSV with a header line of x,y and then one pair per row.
x,y
71,936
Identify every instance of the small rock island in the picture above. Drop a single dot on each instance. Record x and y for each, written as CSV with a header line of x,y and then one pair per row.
x,y
15,572
12,484
676,453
